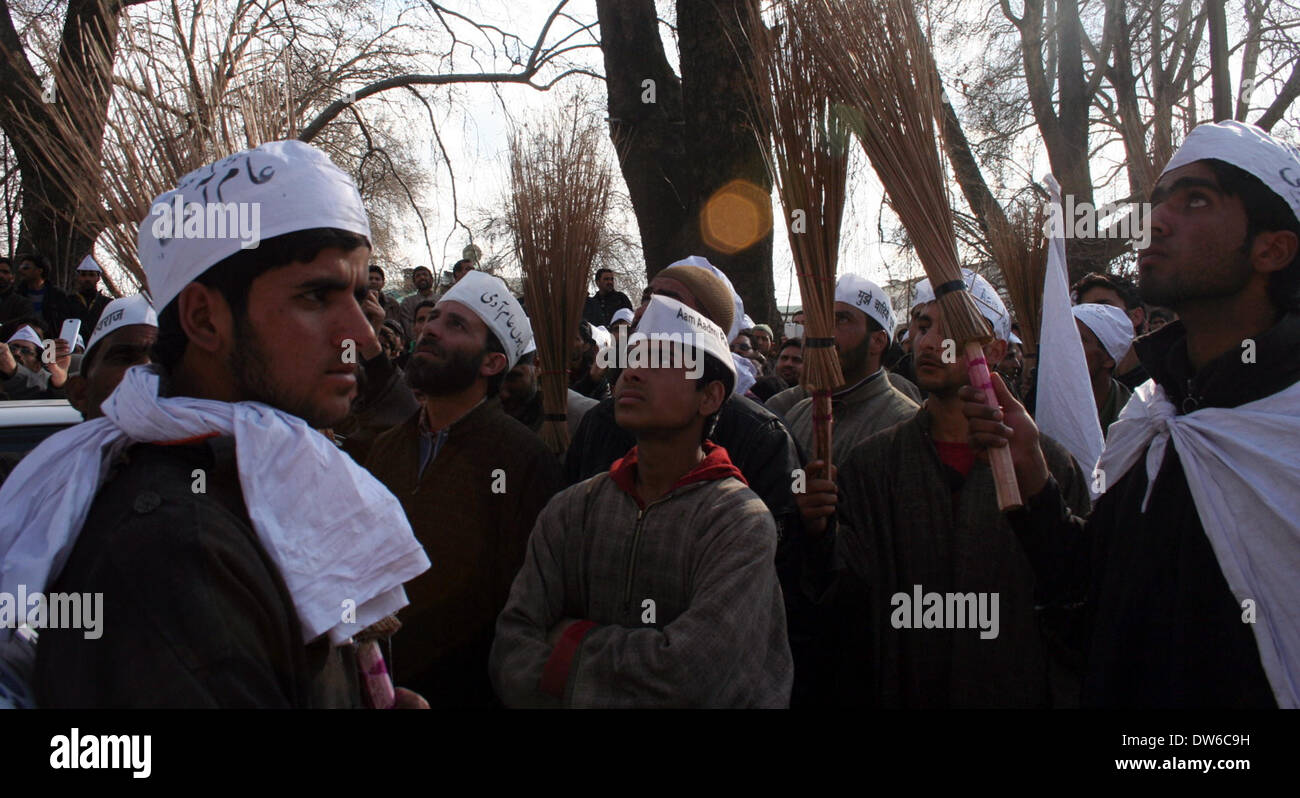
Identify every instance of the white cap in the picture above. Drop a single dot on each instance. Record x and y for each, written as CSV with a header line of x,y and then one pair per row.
x,y
622,314
738,306
26,333
123,312
1246,147
489,298
746,323
1111,325
603,337
88,265
986,299
866,296
280,187
665,317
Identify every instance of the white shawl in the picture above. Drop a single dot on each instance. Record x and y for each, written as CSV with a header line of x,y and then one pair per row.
x,y
1243,468
336,533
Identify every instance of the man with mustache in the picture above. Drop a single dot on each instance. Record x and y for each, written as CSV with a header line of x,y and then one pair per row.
x,y
915,505
1187,566
203,504
472,481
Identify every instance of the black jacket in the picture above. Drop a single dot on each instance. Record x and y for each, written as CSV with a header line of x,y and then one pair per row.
x,y
1161,626
599,309
14,305
88,312
195,612
57,307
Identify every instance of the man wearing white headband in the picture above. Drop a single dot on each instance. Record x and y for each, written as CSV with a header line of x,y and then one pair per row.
x,y
127,329
867,402
87,300
909,526
589,626
24,374
472,481
1107,336
1188,563
237,550
759,443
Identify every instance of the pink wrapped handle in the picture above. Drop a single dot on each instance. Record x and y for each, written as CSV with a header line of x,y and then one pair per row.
x,y
1004,471
374,675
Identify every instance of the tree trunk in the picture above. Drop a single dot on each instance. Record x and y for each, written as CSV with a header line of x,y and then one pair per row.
x,y
1220,82
82,82
693,139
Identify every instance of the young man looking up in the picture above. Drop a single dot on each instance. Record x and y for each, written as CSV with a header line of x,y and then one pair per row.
x,y
653,585
1187,566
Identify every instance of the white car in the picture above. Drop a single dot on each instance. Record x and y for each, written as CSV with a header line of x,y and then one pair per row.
x,y
24,423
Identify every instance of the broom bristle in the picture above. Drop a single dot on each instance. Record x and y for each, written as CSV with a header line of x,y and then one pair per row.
x,y
1019,248
808,162
559,199
882,65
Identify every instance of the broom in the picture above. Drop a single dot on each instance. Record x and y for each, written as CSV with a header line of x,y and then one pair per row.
x,y
877,57
1019,248
808,161
559,201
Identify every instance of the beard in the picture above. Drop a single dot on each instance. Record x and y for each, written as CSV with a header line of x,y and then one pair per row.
x,y
456,373
855,361
250,363
1193,282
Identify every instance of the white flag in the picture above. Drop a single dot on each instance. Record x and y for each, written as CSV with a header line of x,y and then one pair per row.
x,y
1065,409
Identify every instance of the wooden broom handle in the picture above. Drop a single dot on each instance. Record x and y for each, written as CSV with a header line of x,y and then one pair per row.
x,y
822,422
1004,471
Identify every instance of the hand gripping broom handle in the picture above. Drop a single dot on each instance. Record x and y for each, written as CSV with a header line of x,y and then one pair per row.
x,y
1004,472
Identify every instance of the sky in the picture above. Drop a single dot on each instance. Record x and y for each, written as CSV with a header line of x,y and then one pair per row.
x,y
475,122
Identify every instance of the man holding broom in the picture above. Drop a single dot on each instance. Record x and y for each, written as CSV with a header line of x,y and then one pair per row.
x,y
1188,563
915,516
867,402
652,585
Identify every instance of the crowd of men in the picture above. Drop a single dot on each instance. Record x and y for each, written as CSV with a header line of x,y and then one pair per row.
x,y
686,548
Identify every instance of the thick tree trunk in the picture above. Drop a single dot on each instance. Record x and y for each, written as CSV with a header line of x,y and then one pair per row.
x,y
82,81
693,139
